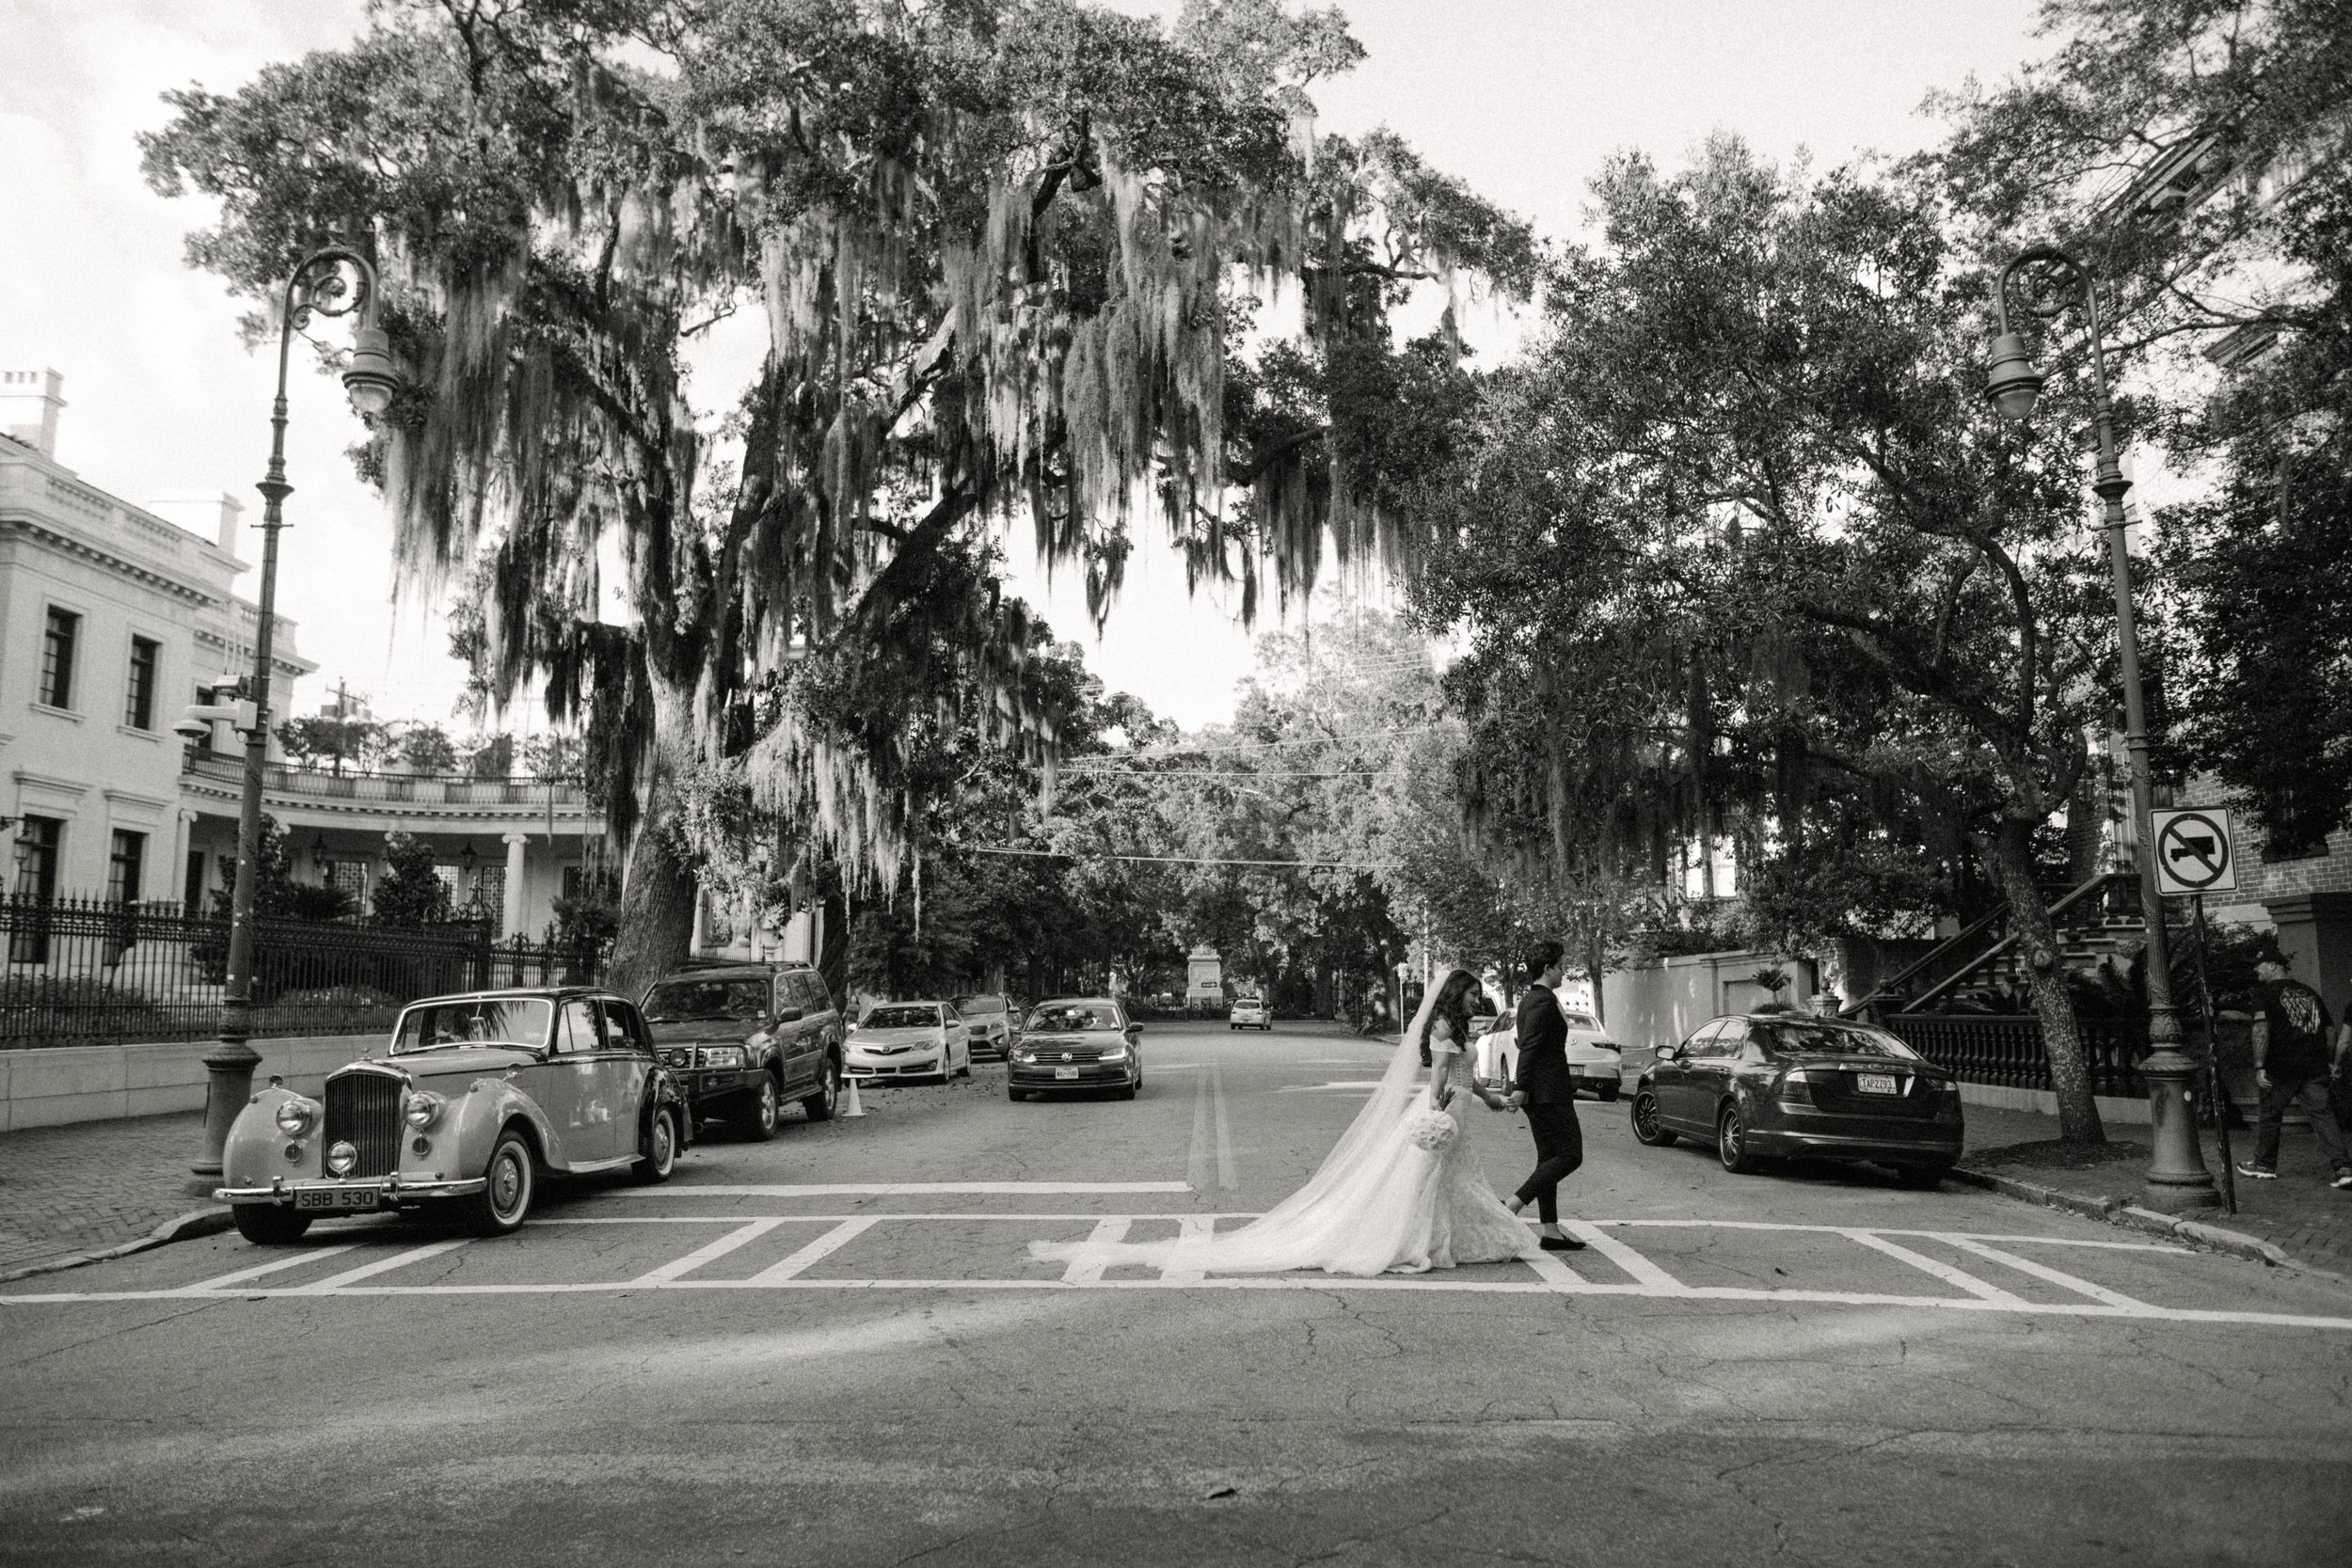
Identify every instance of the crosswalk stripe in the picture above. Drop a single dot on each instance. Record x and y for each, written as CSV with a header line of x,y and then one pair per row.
x,y
1088,1271
1641,1268
822,1247
382,1265
1982,1289
741,1235
2055,1276
1191,1231
257,1270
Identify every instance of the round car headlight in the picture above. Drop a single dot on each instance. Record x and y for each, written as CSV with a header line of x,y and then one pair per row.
x,y
297,1115
422,1108
341,1157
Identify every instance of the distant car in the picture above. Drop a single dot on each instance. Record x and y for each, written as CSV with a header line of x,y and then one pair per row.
x,y
993,1021
1251,1012
1076,1042
469,1101
1595,1061
746,1038
1762,1085
909,1039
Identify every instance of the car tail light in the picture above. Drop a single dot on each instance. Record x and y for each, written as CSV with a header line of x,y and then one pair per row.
x,y
1796,1086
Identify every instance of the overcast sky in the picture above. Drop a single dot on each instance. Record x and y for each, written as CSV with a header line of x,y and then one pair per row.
x,y
1524,99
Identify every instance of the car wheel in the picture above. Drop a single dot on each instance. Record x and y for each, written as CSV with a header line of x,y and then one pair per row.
x,y
1731,1144
820,1105
268,1225
1648,1129
1609,1093
766,1106
1923,1177
660,1156
512,1180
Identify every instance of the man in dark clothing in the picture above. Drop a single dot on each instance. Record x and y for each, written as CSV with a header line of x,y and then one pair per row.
x,y
1542,1088
2293,1036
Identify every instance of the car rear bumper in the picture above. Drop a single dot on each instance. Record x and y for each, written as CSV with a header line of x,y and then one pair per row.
x,y
1919,1142
390,1191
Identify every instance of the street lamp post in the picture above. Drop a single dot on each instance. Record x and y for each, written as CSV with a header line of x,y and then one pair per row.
x,y
331,281
2177,1177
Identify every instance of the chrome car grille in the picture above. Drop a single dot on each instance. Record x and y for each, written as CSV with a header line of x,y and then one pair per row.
x,y
364,1109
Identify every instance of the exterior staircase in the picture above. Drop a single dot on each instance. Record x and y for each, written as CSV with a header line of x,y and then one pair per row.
x,y
2098,920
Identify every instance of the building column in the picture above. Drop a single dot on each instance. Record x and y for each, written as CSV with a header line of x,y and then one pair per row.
x,y
510,914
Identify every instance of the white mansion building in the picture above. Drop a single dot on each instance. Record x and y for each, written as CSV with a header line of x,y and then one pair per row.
x,y
112,617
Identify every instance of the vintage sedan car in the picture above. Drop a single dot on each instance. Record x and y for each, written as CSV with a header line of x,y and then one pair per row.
x,y
993,1021
1251,1012
1595,1061
1076,1042
746,1038
909,1039
1761,1085
472,1098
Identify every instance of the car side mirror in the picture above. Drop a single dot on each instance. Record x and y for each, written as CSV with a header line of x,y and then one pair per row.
x,y
1135,1031
791,1015
1668,1053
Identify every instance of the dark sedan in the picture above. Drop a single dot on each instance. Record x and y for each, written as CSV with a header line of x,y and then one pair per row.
x,y
1076,1042
1761,1086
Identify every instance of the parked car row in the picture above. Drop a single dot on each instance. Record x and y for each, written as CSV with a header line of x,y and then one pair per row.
x,y
475,1097
1595,1060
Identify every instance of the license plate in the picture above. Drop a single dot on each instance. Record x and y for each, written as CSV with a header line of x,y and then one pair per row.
x,y
1876,1082
334,1198
1065,1072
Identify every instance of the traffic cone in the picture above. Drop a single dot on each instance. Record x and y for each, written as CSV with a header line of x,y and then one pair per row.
x,y
850,1105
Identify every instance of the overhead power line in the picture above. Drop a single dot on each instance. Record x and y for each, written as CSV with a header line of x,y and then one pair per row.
x,y
1174,859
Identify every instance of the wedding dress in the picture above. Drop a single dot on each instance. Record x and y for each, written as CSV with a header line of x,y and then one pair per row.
x,y
1381,1203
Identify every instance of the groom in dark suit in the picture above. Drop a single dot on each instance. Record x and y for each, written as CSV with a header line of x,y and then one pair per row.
x,y
1543,1087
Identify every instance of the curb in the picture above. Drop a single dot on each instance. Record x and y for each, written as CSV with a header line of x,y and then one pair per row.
x,y
183,1227
2131,1216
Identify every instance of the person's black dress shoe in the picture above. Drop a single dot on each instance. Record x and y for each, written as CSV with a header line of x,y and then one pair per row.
x,y
1559,1244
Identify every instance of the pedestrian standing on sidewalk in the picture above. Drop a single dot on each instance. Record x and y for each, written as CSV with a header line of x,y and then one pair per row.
x,y
2292,1066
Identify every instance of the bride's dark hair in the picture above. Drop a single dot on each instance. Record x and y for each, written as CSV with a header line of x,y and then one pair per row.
x,y
1452,1004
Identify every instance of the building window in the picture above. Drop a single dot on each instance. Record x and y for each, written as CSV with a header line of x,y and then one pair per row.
x,y
37,839
138,702
351,877
490,891
126,868
192,894
57,658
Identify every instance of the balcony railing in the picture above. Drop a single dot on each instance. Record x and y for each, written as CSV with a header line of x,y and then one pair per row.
x,y
440,789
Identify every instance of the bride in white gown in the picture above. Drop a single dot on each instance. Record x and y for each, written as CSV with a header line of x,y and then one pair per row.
x,y
1400,1193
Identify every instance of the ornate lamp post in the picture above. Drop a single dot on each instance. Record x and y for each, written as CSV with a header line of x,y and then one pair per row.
x,y
2177,1177
330,281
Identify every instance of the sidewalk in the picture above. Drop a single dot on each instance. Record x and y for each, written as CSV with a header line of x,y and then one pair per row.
x,y
2299,1213
92,1185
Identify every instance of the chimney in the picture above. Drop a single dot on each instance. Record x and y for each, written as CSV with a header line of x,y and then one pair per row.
x,y
29,401
214,513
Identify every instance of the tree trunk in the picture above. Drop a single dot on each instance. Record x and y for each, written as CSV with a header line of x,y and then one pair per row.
x,y
657,892
2009,852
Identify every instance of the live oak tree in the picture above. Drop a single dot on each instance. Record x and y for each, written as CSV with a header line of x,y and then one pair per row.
x,y
1743,508
994,252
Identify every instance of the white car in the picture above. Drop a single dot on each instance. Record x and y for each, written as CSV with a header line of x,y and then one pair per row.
x,y
1251,1012
995,1022
1595,1061
908,1040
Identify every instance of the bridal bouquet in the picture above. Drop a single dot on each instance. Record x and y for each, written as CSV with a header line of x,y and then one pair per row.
x,y
1430,1130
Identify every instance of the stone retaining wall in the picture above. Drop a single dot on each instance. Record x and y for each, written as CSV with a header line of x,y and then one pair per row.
x,y
99,1083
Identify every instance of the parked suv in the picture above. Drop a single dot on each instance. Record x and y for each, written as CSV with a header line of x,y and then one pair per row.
x,y
743,1039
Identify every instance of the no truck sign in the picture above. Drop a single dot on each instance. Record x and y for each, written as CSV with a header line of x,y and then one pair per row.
x,y
2194,853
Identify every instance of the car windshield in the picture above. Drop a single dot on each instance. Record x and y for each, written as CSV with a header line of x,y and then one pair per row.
x,y
980,1004
925,1016
676,1000
1801,1040
1067,1018
506,1020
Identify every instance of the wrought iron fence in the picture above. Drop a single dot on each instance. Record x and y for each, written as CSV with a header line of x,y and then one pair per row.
x,y
2006,1050
83,972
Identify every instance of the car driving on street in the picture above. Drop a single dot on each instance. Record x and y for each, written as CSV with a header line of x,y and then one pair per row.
x,y
909,1039
472,1098
1595,1061
993,1021
1763,1084
745,1040
1251,1012
1076,1042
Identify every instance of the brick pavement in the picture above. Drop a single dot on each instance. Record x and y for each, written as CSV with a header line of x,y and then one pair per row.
x,y
2299,1213
93,1184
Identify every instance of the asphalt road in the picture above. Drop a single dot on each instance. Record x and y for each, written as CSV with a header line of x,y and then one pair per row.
x,y
834,1348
